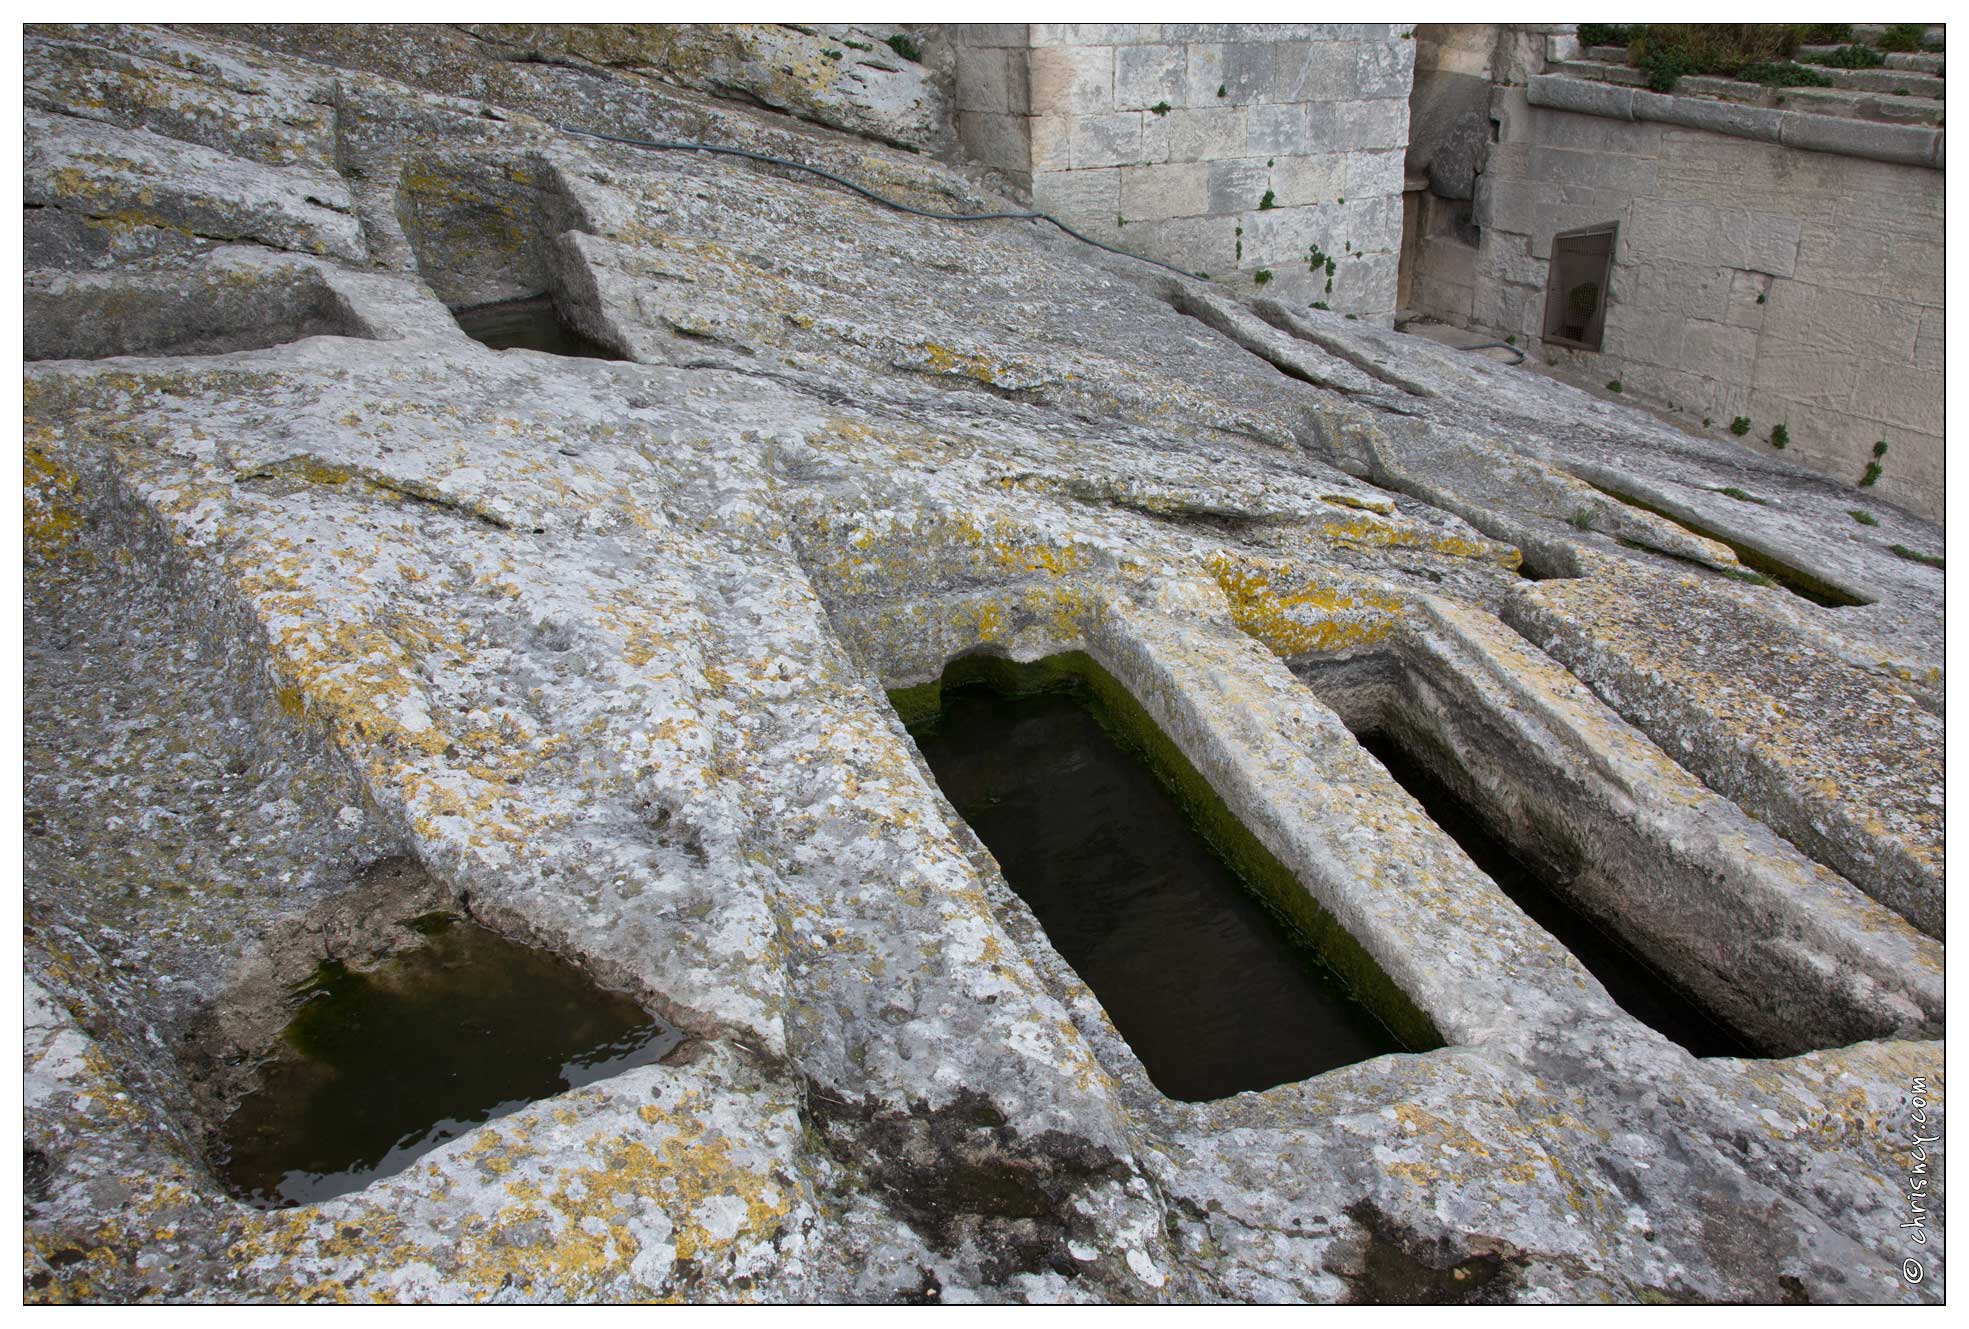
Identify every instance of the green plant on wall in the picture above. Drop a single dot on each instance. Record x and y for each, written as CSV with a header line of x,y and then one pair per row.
x,y
1262,276
1740,426
905,46
1780,436
1874,468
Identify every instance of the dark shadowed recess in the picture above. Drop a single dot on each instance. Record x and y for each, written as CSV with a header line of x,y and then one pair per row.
x,y
1630,981
530,324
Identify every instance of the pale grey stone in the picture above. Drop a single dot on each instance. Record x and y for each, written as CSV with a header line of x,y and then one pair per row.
x,y
996,139
1318,179
602,646
983,79
1146,76
1205,134
1077,80
1107,140
1238,185
1179,189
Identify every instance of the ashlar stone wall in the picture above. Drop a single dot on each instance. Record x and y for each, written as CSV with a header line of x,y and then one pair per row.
x,y
1264,154
1750,279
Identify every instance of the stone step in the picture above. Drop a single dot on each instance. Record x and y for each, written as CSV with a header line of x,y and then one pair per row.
x,y
1861,105
1852,103
1820,101
1920,62
1603,71
1889,81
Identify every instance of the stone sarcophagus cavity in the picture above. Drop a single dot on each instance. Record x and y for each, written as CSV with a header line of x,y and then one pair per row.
x,y
1218,969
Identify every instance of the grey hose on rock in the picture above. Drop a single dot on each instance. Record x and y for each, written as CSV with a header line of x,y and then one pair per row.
x,y
683,145
1502,345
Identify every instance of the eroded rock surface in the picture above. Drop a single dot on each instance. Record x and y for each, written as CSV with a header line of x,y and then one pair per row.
x,y
317,582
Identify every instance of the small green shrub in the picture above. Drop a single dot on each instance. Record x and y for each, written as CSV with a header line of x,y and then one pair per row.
x,y
1826,34
1613,385
1262,276
1902,37
905,46
1850,57
1740,495
1784,75
1740,426
1321,304
1222,91
1605,34
1664,66
859,46
1267,203
1780,436
1160,108
1664,52
1862,516
1872,474
1582,518
1932,560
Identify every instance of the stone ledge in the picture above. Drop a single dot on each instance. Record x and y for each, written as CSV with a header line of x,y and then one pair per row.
x,y
1908,145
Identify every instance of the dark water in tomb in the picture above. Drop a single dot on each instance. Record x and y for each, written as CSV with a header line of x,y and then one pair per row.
x,y
380,1067
1211,991
1633,985
529,324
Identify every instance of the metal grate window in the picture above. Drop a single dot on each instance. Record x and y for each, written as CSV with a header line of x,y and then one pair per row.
x,y
1576,296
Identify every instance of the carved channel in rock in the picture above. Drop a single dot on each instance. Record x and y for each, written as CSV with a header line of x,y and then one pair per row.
x,y
1799,582
1169,909
212,311
1628,979
491,236
412,1024
1695,919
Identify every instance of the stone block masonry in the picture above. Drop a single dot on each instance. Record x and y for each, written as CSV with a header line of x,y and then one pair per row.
x,y
1750,279
1251,152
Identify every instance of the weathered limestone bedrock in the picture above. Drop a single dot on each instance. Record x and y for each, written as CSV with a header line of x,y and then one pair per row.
x,y
315,581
